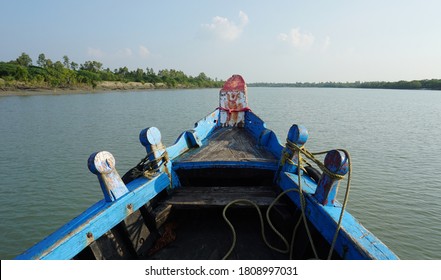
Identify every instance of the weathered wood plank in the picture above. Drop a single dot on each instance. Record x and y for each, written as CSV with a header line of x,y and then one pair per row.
x,y
220,196
229,144
137,232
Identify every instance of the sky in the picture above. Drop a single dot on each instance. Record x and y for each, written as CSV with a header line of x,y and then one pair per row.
x,y
264,41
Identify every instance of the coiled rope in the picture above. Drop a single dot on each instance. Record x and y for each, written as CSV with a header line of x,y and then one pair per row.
x,y
150,167
302,150
290,245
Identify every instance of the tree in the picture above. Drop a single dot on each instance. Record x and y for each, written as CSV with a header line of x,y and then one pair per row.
x,y
49,63
139,75
21,74
74,66
24,60
122,71
41,61
92,66
58,66
66,62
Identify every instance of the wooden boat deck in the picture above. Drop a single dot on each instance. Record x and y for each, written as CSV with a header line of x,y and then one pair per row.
x,y
220,196
229,144
192,226
198,235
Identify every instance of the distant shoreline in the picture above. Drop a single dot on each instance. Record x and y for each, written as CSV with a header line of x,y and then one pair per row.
x,y
22,89
432,84
105,86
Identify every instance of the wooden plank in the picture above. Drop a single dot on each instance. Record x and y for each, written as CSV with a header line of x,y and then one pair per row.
x,y
137,231
229,144
114,245
220,196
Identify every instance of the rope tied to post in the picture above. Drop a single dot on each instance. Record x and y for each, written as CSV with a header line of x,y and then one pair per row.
x,y
295,148
302,150
148,167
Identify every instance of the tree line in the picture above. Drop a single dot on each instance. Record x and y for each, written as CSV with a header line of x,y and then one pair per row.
x,y
22,73
432,84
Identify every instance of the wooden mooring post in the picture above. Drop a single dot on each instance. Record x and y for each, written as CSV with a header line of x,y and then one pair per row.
x,y
103,165
336,162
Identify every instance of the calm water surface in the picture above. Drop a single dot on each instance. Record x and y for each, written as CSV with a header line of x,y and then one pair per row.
x,y
393,137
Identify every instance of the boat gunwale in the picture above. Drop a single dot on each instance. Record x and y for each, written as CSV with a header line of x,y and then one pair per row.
x,y
71,238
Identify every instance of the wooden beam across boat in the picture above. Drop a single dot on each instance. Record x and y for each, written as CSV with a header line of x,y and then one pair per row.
x,y
220,196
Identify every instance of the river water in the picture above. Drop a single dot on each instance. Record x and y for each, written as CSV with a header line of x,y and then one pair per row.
x,y
393,137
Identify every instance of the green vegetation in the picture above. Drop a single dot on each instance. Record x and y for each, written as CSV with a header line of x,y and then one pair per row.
x,y
433,84
21,74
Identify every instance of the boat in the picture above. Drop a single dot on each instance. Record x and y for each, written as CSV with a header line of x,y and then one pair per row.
x,y
226,189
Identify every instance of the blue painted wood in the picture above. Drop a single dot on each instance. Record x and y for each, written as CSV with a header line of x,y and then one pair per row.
x,y
193,140
336,162
265,137
73,237
254,124
103,165
150,138
199,133
226,164
354,241
297,134
204,127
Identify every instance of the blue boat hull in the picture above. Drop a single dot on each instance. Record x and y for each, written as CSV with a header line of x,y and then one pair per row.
x,y
226,189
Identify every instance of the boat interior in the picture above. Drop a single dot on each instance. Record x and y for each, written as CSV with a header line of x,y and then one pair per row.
x,y
218,212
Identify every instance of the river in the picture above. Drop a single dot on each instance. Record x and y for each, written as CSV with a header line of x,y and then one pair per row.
x,y
393,137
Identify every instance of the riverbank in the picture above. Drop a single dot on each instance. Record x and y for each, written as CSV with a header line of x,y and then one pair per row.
x,y
22,89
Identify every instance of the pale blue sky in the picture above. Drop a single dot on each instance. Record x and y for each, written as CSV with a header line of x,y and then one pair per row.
x,y
268,41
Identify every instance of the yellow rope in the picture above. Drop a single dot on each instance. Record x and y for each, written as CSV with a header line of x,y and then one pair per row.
x,y
303,205
148,165
262,227
289,246
294,148
345,201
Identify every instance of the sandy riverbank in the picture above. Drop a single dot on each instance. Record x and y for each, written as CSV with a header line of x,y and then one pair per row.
x,y
24,90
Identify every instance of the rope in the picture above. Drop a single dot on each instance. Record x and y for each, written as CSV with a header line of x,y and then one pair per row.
x,y
262,227
294,148
146,167
302,150
289,246
345,201
303,206
246,109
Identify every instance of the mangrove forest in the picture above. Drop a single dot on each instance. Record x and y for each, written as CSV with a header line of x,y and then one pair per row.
x,y
22,74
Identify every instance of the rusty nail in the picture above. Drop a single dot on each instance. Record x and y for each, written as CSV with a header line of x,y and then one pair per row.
x,y
89,235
